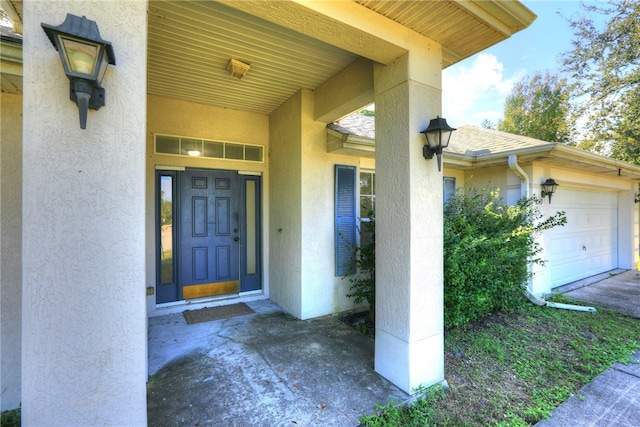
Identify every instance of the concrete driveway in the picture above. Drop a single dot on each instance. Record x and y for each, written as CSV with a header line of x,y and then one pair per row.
x,y
618,290
613,397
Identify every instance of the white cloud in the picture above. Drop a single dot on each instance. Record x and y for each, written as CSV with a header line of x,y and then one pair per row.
x,y
471,95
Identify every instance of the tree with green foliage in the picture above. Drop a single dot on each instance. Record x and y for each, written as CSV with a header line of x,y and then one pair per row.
x,y
166,210
488,124
538,107
604,66
487,250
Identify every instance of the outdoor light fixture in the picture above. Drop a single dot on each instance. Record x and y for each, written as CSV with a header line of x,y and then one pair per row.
x,y
548,188
636,198
438,134
237,68
85,56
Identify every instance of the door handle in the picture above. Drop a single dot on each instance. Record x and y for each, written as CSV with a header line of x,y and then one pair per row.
x,y
235,239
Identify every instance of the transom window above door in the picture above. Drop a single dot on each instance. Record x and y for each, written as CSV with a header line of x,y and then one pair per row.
x,y
196,147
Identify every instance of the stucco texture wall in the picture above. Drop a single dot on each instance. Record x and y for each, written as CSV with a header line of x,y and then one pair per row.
x,y
285,228
302,264
497,177
323,291
84,322
10,249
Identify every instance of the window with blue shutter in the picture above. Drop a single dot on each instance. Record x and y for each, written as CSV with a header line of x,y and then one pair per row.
x,y
345,219
449,188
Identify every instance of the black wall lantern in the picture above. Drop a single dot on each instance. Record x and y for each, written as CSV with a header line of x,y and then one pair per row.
x,y
636,199
438,134
85,56
548,188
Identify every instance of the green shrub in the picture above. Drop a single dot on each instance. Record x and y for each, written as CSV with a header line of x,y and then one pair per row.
x,y
363,283
487,248
10,418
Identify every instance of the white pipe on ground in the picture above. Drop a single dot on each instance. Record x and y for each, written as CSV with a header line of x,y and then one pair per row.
x,y
543,302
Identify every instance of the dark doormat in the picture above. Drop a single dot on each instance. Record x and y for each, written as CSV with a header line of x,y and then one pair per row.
x,y
214,313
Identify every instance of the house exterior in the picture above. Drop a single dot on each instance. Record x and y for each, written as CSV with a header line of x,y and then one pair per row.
x,y
597,193
192,187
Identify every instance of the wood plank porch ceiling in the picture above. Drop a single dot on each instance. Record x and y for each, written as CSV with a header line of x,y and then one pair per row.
x,y
190,44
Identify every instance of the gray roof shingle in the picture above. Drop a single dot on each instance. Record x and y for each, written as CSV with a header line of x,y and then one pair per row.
x,y
466,140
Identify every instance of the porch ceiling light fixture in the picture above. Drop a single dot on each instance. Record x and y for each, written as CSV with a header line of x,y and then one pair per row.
x,y
438,134
237,68
85,57
548,188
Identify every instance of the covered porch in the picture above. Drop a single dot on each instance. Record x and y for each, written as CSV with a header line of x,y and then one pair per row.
x,y
89,202
266,368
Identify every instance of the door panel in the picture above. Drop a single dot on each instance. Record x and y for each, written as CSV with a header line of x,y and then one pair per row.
x,y
200,263
199,216
209,240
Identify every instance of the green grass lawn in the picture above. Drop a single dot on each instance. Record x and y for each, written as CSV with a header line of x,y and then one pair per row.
x,y
513,370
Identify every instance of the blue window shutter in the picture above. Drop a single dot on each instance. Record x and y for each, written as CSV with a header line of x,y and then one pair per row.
x,y
345,219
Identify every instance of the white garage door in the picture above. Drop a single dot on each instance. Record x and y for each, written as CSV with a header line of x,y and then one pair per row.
x,y
588,244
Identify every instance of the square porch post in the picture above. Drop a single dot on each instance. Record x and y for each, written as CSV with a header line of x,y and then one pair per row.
x,y
84,334
409,285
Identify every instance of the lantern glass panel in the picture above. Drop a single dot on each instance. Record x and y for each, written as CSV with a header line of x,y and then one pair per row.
x,y
433,138
80,57
446,136
104,61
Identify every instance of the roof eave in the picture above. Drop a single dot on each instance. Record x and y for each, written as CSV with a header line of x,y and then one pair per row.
x,y
505,17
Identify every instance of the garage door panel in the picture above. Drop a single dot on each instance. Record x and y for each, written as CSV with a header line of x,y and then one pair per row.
x,y
587,244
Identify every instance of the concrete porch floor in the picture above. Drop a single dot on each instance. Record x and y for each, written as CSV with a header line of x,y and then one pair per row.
x,y
262,369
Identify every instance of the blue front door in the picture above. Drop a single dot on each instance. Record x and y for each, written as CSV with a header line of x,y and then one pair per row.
x,y
209,234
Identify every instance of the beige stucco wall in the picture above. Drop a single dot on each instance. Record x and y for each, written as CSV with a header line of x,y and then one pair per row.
x,y
302,265
173,117
84,322
458,174
10,249
323,292
496,177
285,228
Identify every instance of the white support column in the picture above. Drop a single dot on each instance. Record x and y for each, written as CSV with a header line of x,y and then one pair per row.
x,y
409,213
84,322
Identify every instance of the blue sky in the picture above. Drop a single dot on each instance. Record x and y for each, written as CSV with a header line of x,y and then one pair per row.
x,y
475,89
